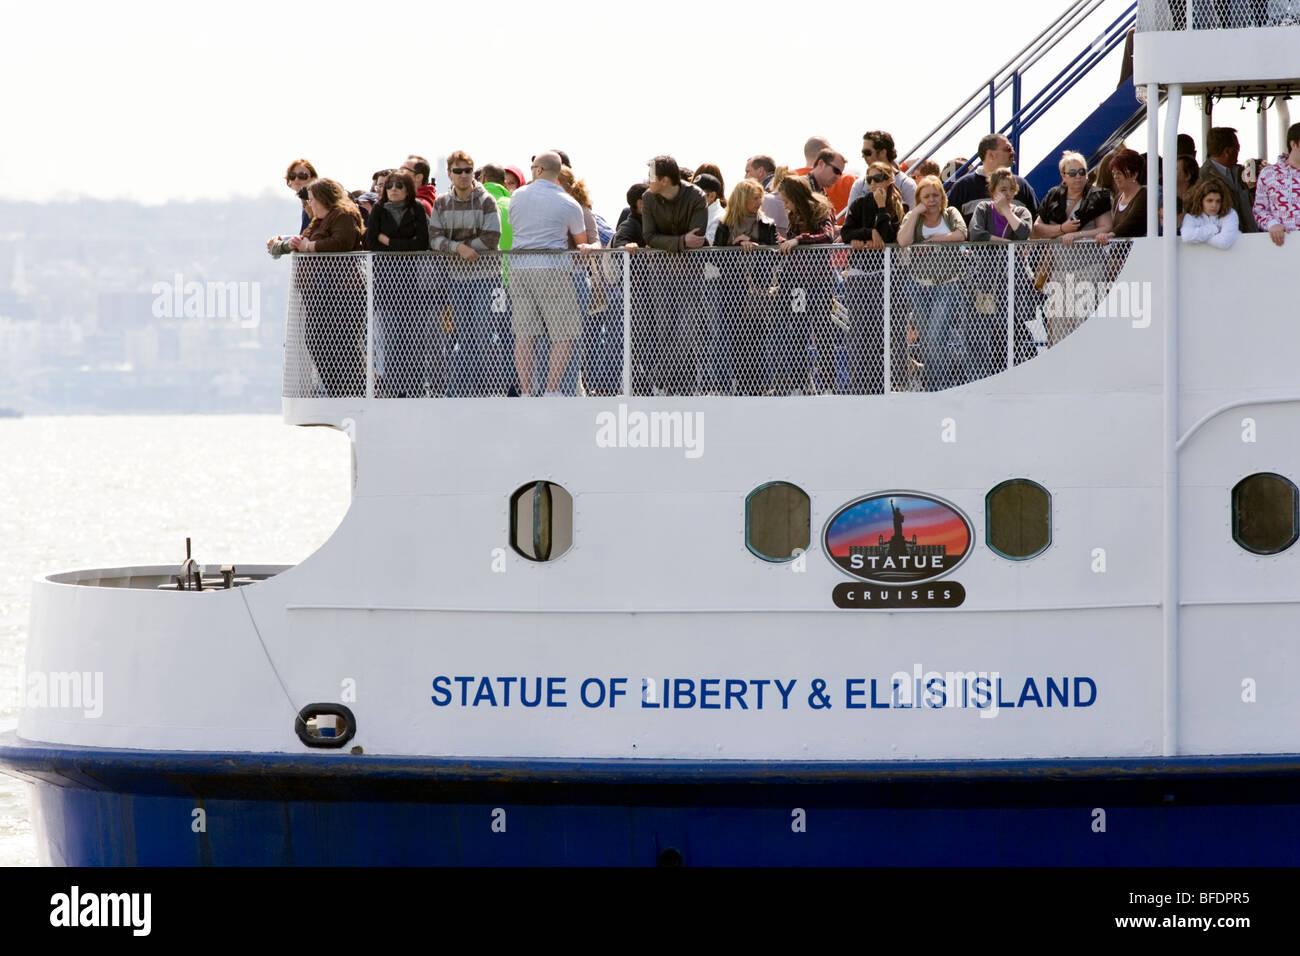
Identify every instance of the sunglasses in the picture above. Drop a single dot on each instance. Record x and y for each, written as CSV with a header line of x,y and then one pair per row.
x,y
878,178
398,185
838,170
303,175
1076,172
461,170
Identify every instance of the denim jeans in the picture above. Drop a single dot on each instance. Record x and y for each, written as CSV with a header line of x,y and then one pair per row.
x,y
569,383
938,314
471,306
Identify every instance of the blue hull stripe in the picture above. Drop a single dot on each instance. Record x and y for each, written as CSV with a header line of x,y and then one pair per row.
x,y
120,807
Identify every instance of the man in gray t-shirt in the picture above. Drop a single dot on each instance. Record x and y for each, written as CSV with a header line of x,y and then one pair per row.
x,y
543,217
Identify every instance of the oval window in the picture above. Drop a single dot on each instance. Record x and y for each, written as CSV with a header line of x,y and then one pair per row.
x,y
541,521
1018,519
1264,513
778,521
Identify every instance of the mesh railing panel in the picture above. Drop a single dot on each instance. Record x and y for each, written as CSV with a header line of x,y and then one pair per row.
x,y
1216,14
724,321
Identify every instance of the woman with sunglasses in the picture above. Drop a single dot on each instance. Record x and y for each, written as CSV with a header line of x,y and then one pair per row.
x,y
872,221
1069,212
398,223
1075,209
296,177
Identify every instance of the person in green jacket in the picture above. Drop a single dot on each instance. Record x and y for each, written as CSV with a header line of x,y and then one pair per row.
x,y
494,181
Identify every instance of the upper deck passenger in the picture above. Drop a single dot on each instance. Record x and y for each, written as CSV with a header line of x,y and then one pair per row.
x,y
761,169
878,147
995,152
1223,148
837,193
544,216
1277,195
1129,220
465,223
674,218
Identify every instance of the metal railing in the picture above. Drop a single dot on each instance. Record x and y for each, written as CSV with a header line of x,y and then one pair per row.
x,y
717,321
1216,14
1010,77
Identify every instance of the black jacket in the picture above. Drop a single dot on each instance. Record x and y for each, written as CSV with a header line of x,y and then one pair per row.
x,y
766,235
629,230
863,216
411,236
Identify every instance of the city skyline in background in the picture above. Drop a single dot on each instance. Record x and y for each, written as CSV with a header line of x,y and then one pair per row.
x,y
149,143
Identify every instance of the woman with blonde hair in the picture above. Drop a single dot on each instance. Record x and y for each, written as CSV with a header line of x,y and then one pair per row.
x,y
934,276
746,278
1072,211
1074,208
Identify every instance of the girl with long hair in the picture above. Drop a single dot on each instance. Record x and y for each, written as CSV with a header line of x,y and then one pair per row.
x,y
807,277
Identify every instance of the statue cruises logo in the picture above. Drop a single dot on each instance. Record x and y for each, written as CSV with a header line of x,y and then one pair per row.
x,y
898,541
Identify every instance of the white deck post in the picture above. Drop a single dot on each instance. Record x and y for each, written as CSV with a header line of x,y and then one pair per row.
x,y
1170,596
1153,156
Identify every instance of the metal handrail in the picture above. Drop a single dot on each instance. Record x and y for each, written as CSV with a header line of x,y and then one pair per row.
x,y
1008,74
1108,39
983,87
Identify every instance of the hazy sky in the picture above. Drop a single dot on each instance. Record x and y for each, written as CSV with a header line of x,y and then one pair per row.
x,y
158,101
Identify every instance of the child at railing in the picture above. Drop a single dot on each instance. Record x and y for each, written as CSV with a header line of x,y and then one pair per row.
x,y
1210,217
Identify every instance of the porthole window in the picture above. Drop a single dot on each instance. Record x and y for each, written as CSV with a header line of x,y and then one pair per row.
x,y
1265,513
1018,519
541,521
778,521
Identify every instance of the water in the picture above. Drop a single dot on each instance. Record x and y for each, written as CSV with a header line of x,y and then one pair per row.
x,y
87,492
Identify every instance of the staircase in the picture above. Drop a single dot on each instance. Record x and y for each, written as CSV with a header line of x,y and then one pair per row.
x,y
1108,124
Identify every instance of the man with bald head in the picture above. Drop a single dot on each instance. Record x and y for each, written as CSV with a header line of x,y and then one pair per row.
x,y
543,217
824,167
813,146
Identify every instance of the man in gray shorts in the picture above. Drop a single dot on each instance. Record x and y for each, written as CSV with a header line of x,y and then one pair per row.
x,y
543,217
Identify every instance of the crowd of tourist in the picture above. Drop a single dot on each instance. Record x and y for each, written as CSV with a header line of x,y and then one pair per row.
x,y
764,318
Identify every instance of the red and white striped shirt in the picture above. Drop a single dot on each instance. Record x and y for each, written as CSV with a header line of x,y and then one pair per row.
x,y
1277,197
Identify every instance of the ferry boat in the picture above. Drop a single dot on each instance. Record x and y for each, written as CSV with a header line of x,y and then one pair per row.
x,y
1045,615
